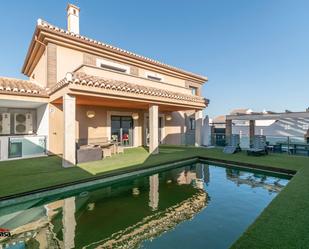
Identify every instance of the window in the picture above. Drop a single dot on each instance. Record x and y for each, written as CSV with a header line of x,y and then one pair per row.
x,y
154,76
193,90
287,127
192,124
112,66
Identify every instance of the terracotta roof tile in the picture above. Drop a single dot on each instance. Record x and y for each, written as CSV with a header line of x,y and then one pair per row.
x,y
80,78
43,24
21,87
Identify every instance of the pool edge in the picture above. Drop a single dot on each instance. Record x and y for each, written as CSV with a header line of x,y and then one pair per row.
x,y
123,173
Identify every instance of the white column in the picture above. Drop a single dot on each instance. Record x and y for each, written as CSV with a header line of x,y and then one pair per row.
x,y
198,127
69,112
153,129
69,223
154,191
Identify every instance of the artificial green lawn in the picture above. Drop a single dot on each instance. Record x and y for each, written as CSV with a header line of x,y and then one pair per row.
x,y
283,224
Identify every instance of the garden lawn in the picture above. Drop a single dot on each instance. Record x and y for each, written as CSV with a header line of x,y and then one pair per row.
x,y
283,224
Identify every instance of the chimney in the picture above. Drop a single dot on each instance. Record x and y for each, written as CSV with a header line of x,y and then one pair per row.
x,y
73,18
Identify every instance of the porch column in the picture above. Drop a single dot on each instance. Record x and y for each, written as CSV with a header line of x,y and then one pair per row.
x,y
251,131
69,110
154,191
69,223
228,131
153,129
198,127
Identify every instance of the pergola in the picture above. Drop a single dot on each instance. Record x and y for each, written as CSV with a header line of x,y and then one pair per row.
x,y
259,116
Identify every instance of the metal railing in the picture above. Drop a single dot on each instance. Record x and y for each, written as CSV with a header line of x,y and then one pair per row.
x,y
26,146
293,145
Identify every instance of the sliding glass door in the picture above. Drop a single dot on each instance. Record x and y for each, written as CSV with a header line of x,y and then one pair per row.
x,y
122,129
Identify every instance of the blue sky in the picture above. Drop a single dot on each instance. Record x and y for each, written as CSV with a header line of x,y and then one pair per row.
x,y
255,53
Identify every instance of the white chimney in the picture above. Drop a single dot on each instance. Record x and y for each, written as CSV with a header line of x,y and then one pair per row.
x,y
73,18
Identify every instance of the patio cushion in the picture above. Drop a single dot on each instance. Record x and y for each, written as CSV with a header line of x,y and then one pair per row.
x,y
88,153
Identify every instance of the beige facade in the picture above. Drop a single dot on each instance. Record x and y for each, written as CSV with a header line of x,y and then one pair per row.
x,y
153,101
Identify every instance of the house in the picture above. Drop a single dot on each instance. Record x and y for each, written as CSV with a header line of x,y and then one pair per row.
x,y
80,88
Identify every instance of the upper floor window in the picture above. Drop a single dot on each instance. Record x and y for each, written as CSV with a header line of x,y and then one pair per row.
x,y
112,66
193,90
154,76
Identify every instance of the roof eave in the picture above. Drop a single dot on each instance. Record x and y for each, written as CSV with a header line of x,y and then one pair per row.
x,y
122,52
30,50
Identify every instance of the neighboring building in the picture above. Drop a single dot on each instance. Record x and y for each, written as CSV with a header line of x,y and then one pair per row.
x,y
274,125
80,88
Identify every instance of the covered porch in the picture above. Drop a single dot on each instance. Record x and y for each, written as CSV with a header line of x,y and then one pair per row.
x,y
79,112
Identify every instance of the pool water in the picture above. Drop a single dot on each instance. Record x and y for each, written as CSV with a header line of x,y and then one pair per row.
x,y
194,206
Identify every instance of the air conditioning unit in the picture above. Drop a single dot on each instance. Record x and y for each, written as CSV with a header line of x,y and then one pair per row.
x,y
23,123
5,123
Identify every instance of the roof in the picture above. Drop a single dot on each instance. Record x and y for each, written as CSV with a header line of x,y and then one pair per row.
x,y
240,111
80,78
47,26
219,119
21,87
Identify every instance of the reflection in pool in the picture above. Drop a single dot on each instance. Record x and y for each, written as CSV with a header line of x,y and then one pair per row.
x,y
196,206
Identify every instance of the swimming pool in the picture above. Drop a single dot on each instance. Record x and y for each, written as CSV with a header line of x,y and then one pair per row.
x,y
200,205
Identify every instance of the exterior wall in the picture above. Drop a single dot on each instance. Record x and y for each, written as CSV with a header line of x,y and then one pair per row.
x,y
99,126
91,127
131,79
166,78
278,128
175,129
51,64
56,61
67,61
141,72
43,121
39,74
4,142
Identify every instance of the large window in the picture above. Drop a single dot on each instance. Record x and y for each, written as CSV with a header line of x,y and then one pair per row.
x,y
15,121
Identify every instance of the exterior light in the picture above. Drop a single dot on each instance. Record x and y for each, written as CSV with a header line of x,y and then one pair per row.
x,y
168,117
90,114
135,115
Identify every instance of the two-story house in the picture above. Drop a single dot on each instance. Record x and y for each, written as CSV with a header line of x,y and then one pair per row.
x,y
80,88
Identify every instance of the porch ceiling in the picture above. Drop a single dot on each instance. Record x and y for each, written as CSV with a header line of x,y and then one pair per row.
x,y
121,103
13,103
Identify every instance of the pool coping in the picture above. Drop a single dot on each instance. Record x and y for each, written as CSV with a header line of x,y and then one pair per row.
x,y
122,174
243,165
